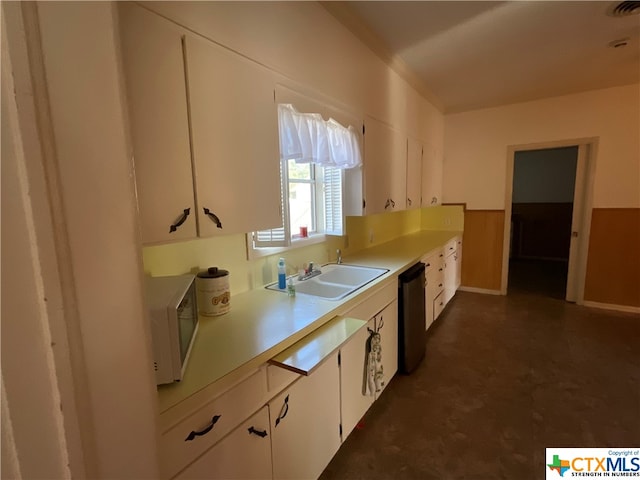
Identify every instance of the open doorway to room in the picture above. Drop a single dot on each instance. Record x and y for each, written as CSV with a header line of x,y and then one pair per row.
x,y
542,208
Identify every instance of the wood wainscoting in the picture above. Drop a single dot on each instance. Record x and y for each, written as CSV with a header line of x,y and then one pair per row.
x,y
613,264
482,249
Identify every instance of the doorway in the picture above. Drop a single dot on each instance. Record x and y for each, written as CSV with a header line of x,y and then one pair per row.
x,y
539,241
541,217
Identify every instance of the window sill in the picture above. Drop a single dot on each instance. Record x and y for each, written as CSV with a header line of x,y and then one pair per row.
x,y
253,253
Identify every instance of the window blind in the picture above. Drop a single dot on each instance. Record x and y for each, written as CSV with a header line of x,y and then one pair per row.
x,y
333,200
279,236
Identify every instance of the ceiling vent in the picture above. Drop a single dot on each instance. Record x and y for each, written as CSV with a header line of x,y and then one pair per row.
x,y
624,9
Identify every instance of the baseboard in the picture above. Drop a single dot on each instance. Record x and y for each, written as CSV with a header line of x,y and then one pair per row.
x,y
611,306
479,290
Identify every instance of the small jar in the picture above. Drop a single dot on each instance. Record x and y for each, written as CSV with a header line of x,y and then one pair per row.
x,y
213,292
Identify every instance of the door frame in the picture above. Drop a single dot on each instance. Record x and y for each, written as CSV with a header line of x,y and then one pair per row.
x,y
587,153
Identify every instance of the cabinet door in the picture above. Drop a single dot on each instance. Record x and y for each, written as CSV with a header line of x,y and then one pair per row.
x,y
450,273
387,325
353,402
414,173
234,128
429,295
305,423
458,259
156,93
385,167
431,176
244,454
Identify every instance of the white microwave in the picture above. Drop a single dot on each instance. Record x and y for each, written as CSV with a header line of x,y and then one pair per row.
x,y
173,314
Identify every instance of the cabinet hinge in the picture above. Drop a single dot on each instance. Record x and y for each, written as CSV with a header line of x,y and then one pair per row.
x,y
364,203
340,428
339,359
363,128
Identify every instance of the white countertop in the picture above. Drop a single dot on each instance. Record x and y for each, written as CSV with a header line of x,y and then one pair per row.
x,y
263,323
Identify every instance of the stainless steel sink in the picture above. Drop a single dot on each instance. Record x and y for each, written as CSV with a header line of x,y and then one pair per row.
x,y
336,281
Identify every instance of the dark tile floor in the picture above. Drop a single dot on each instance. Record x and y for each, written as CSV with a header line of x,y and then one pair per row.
x,y
503,378
547,278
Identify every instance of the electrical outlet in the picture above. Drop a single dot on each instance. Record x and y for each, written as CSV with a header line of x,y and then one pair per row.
x,y
447,221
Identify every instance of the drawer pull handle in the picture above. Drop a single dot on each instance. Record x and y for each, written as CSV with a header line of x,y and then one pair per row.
x,y
439,284
212,216
283,411
439,269
260,433
195,434
181,220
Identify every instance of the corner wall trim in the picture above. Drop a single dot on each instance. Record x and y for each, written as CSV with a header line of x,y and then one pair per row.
x,y
611,306
486,291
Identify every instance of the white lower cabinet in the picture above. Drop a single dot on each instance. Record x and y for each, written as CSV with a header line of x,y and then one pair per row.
x,y
305,423
355,400
434,275
381,311
244,454
387,326
452,268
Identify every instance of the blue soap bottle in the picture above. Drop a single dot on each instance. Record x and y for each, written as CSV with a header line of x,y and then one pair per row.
x,y
282,274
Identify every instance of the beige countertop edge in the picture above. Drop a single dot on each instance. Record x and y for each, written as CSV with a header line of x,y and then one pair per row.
x,y
177,401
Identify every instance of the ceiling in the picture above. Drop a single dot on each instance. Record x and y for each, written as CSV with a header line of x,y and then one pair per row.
x,y
476,54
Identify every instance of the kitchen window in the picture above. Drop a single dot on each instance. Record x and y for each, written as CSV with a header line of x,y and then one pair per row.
x,y
314,154
311,206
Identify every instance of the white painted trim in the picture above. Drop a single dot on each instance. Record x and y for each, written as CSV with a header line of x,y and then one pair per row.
x,y
255,253
486,291
611,306
591,144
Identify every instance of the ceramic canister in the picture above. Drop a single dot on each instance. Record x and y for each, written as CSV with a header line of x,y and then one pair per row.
x,y
212,290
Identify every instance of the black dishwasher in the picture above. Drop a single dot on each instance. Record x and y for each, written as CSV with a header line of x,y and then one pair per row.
x,y
411,318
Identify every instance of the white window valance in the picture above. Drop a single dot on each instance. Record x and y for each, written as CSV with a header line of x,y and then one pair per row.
x,y
308,138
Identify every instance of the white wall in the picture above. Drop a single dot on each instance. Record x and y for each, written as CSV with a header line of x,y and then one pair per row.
x,y
545,176
476,144
33,434
89,171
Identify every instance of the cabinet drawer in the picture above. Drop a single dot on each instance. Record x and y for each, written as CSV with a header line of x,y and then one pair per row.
x,y
375,303
244,454
451,246
433,262
279,378
181,445
435,283
438,305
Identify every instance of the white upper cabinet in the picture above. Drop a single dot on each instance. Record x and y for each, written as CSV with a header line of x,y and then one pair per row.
x,y
234,129
385,167
431,176
414,173
155,83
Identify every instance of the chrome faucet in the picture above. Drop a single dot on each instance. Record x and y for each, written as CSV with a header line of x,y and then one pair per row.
x,y
339,253
309,272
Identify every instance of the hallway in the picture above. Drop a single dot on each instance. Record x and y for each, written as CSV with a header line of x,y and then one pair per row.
x,y
503,378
